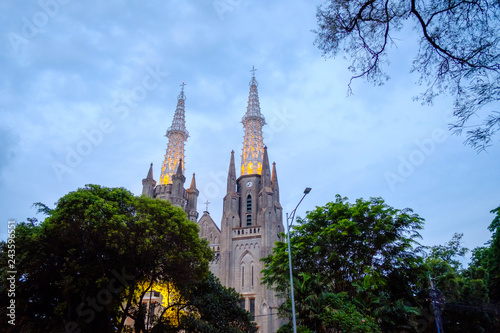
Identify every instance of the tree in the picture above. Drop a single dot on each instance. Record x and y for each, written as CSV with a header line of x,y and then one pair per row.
x,y
351,261
450,251
85,267
204,307
458,55
214,308
323,310
488,258
463,301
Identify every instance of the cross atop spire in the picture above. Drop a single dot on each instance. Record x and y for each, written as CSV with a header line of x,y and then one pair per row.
x,y
207,203
253,70
253,81
181,95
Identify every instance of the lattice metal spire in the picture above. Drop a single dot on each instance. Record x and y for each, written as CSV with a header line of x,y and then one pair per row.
x,y
177,136
253,144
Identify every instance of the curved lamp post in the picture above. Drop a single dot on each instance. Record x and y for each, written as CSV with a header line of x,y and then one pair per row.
x,y
289,225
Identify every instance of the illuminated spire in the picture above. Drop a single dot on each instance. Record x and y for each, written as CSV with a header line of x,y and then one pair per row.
x,y
177,136
253,144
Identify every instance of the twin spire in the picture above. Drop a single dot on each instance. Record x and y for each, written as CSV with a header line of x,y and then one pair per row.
x,y
252,157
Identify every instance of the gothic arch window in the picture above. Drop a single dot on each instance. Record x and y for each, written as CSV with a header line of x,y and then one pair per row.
x,y
249,203
246,262
265,307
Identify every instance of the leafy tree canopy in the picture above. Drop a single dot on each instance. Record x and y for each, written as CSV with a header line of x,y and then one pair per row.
x,y
488,258
352,262
459,51
215,308
88,266
450,253
357,267
462,295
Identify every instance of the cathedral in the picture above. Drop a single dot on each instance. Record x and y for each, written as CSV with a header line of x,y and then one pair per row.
x,y
252,217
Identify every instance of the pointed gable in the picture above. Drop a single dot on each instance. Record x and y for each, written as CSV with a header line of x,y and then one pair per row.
x,y
208,229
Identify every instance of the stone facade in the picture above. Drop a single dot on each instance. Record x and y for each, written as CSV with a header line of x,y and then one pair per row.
x,y
252,218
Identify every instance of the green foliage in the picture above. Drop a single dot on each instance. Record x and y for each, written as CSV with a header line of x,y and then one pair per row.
x,y
493,257
458,54
484,270
450,251
82,265
354,263
214,308
351,261
487,258
287,328
464,303
346,317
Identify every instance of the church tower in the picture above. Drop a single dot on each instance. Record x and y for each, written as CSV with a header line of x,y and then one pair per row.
x,y
172,177
252,217
252,220
177,136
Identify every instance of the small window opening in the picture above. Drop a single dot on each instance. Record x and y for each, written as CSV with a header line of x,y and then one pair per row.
x,y
252,307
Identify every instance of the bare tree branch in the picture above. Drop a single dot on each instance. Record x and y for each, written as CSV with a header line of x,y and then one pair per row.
x,y
459,50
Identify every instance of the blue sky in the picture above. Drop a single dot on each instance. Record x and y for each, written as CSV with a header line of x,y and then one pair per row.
x,y
88,89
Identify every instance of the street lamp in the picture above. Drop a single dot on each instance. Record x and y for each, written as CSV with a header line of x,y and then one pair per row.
x,y
289,225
